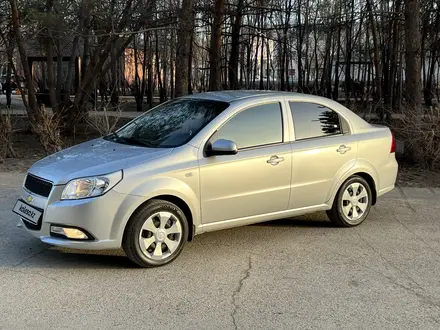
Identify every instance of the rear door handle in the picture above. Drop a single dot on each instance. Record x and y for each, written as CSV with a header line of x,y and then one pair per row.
x,y
343,149
275,160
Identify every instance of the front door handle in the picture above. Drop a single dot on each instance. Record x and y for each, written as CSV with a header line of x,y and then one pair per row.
x,y
343,149
275,160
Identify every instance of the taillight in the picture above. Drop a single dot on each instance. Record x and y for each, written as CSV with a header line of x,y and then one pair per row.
x,y
393,143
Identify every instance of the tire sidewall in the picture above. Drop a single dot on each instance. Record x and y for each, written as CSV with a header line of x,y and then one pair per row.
x,y
140,218
341,214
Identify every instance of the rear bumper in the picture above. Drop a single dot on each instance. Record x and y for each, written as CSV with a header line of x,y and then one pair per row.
x,y
388,176
385,190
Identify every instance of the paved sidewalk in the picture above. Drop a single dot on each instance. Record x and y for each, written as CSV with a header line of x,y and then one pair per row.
x,y
18,108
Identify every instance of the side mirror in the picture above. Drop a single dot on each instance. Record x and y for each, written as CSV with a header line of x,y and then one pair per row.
x,y
222,148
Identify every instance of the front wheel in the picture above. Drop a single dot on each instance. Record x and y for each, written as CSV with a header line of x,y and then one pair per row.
x,y
155,234
352,203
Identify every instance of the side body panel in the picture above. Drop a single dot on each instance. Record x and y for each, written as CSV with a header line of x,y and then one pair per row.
x,y
245,184
317,165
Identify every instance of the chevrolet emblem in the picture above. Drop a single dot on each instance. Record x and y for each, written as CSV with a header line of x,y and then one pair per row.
x,y
29,199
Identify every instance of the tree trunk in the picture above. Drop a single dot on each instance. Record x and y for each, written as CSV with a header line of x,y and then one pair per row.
x,y
70,69
254,77
283,45
165,70
216,45
114,78
235,47
413,52
59,81
348,36
338,52
376,57
183,47
86,40
268,64
428,89
190,62
394,51
32,110
172,65
50,62
327,65
261,82
159,76
299,49
137,79
150,73
144,71
282,61
51,76
242,66
10,55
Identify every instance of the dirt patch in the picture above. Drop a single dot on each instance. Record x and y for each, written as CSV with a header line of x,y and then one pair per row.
x,y
415,177
29,149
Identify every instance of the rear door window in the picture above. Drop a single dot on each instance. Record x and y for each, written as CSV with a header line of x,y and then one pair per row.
x,y
313,120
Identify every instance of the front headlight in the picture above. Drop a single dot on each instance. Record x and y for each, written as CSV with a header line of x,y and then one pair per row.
x,y
91,186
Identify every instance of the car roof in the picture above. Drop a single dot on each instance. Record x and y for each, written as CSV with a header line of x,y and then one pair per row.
x,y
237,95
241,95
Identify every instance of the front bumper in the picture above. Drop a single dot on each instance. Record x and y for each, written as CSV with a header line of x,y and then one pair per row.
x,y
104,217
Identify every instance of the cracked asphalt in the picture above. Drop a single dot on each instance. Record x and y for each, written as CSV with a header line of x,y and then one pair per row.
x,y
299,273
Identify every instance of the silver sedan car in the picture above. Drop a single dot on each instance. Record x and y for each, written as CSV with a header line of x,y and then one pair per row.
x,y
208,162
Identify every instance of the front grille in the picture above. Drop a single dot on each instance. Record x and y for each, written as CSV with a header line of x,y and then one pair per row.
x,y
38,186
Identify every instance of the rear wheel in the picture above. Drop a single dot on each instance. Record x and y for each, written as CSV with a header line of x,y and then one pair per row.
x,y
156,234
352,203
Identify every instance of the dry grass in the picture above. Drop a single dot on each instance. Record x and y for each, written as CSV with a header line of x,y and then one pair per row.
x,y
48,130
6,134
421,134
105,121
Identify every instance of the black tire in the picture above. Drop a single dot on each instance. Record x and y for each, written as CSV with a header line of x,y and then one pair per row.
x,y
131,242
336,214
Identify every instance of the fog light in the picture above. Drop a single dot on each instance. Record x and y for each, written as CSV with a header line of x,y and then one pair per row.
x,y
72,233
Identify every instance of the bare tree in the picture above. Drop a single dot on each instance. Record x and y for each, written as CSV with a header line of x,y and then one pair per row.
x,y
413,53
183,47
31,104
235,46
216,45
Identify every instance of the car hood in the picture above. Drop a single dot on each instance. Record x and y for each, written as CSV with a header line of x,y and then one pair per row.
x,y
95,157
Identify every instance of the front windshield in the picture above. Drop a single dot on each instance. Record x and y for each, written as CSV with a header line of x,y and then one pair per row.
x,y
169,125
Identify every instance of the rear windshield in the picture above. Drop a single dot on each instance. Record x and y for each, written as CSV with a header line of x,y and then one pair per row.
x,y
169,125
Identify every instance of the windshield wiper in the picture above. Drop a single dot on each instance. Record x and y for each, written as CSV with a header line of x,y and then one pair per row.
x,y
129,140
135,141
112,136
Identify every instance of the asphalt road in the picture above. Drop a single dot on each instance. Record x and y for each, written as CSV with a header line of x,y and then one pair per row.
x,y
298,273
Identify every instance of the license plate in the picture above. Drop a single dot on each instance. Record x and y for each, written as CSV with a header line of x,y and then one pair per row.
x,y
27,212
